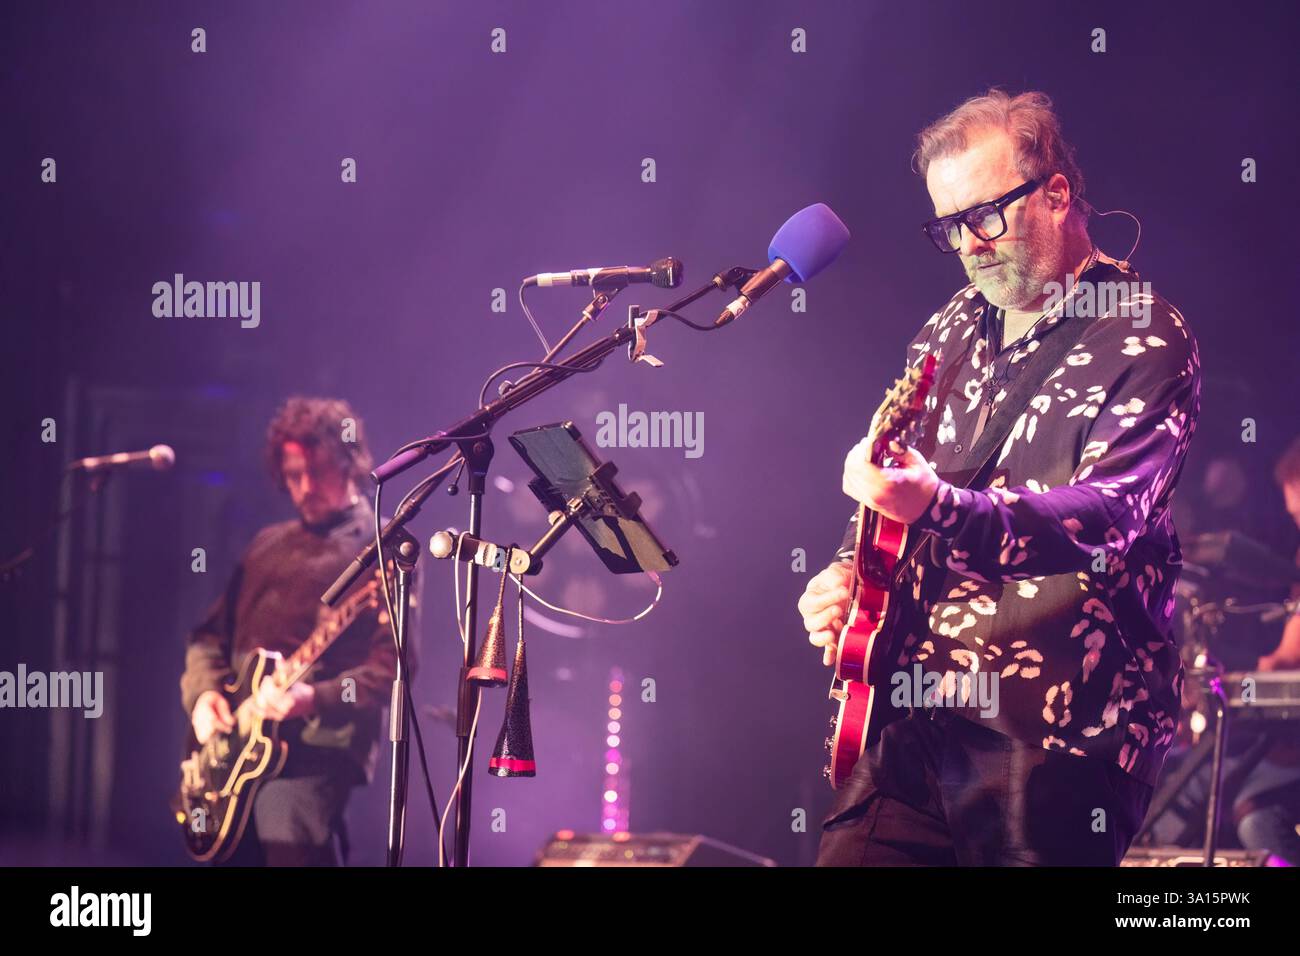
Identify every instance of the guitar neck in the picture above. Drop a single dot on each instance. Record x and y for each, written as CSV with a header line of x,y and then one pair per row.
x,y
326,632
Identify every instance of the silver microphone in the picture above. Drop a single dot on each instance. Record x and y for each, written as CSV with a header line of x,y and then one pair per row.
x,y
159,458
443,544
664,273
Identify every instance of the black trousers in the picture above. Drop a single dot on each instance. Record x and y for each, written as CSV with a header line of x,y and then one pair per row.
x,y
297,818
940,790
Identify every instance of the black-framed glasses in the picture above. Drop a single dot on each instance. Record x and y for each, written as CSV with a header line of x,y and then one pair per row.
x,y
986,220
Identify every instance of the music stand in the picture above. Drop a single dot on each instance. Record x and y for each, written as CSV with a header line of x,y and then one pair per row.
x,y
579,490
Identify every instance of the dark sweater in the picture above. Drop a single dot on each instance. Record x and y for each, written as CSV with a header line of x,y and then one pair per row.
x,y
1059,578
272,601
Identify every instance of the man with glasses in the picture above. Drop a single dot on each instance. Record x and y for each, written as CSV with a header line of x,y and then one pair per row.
x,y
1052,579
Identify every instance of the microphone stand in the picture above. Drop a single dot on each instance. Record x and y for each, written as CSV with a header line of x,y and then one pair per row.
x,y
471,436
96,479
406,556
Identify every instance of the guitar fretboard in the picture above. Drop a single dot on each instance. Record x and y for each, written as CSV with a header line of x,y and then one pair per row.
x,y
326,632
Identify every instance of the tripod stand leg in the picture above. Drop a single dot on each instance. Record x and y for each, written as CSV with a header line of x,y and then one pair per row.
x,y
1174,785
1216,773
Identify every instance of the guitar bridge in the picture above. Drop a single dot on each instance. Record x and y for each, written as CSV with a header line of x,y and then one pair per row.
x,y
190,779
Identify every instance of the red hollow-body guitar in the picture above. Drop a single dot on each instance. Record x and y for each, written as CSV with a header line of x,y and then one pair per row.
x,y
867,641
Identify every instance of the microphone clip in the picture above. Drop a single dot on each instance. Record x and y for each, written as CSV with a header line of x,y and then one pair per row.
x,y
486,554
733,278
638,323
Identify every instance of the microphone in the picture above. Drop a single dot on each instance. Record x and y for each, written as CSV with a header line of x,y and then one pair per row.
x,y
159,457
483,553
806,243
664,273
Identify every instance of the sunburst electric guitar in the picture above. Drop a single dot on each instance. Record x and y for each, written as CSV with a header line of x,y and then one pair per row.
x,y
866,643
221,777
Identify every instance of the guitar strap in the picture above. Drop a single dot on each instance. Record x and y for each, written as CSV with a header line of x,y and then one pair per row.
x,y
1045,359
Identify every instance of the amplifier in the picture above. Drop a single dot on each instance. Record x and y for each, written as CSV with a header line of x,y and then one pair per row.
x,y
567,848
1189,856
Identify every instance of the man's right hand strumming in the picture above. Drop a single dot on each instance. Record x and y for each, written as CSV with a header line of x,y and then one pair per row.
x,y
211,713
824,606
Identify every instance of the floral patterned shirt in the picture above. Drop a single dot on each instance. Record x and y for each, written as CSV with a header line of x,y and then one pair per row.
x,y
1059,576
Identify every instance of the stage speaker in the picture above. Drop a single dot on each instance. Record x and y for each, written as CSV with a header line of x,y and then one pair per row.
x,y
567,848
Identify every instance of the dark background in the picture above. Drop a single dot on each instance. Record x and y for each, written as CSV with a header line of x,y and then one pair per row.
x,y
475,170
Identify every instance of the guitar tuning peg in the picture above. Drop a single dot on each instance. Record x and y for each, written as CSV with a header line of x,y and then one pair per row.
x,y
834,720
828,743
826,771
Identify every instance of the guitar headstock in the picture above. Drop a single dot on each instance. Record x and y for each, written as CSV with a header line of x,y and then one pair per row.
x,y
899,415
